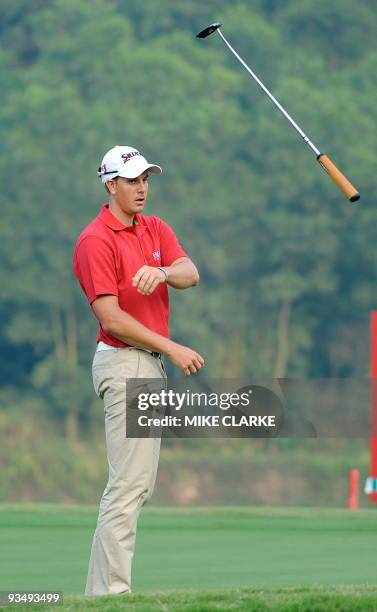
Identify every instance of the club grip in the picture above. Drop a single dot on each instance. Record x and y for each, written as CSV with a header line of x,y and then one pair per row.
x,y
339,179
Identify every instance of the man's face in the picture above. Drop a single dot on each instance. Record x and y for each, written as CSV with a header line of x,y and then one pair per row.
x,y
129,194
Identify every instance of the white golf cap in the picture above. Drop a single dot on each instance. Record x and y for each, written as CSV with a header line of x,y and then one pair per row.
x,y
126,162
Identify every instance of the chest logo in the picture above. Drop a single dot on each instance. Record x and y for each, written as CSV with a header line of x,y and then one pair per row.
x,y
156,255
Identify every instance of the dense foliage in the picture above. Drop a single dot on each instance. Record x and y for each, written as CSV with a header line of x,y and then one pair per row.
x,y
287,264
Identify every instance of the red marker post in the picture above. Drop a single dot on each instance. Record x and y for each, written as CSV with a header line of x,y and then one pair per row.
x,y
353,489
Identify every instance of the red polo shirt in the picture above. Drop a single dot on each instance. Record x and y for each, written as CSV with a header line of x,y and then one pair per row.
x,y
107,256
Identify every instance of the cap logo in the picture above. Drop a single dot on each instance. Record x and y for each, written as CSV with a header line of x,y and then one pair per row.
x,y
127,156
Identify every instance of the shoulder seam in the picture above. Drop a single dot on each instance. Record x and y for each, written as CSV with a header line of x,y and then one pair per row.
x,y
102,238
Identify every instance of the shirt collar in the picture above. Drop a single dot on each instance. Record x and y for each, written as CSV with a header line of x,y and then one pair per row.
x,y
112,222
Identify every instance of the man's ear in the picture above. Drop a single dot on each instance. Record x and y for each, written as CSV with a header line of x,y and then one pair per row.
x,y
111,187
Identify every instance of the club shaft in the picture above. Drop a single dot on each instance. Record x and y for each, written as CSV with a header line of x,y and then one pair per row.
x,y
269,94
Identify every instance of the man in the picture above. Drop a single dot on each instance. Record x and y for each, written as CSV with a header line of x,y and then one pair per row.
x,y
124,262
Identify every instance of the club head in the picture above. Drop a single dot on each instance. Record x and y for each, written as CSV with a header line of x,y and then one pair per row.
x,y
209,30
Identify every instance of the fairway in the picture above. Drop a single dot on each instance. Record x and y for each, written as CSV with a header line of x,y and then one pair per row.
x,y
47,547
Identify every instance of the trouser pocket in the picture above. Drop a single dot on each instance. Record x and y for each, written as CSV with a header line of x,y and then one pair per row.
x,y
112,368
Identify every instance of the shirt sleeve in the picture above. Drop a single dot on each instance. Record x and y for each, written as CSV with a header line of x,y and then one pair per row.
x,y
170,247
94,267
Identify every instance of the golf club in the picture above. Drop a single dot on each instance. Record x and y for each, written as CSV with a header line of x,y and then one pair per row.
x,y
339,179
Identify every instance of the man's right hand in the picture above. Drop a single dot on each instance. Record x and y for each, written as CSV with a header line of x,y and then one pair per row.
x,y
185,359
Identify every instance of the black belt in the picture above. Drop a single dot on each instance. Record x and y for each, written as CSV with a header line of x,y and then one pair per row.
x,y
153,353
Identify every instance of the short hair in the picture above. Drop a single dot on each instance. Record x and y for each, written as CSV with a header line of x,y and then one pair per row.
x,y
113,179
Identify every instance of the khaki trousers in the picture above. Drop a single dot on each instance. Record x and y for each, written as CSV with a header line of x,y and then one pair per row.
x,y
132,471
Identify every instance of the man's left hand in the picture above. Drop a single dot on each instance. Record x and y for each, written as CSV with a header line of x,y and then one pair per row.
x,y
147,278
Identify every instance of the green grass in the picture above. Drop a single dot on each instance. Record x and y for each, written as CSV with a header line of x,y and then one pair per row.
x,y
311,599
202,558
